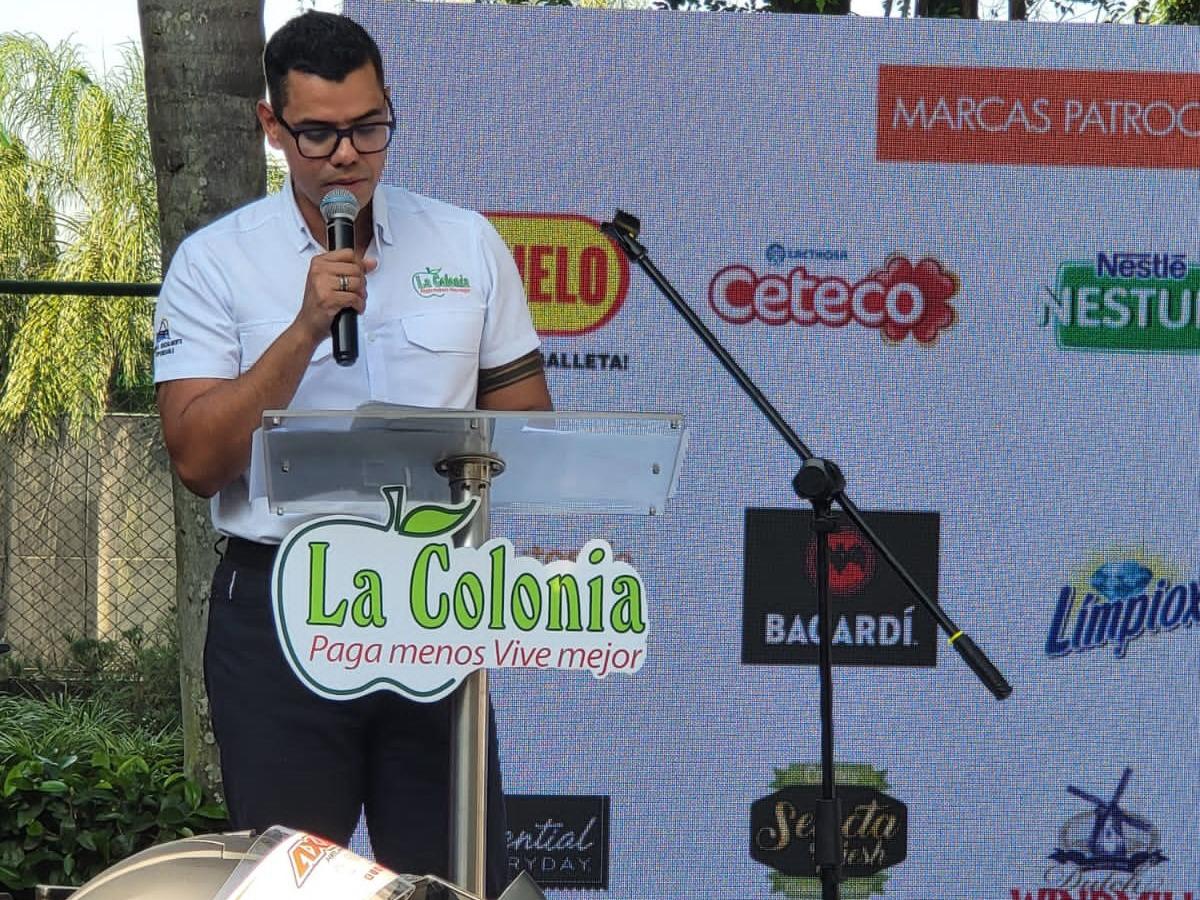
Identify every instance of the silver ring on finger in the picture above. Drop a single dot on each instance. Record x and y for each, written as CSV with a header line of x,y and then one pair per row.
x,y
343,283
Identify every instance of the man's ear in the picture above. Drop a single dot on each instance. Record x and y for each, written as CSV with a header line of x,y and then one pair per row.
x,y
270,124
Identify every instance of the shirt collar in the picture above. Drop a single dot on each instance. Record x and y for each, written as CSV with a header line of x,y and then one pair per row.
x,y
302,237
379,210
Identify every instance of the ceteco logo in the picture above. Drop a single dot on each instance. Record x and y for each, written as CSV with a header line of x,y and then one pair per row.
x,y
1038,116
1144,302
901,299
575,277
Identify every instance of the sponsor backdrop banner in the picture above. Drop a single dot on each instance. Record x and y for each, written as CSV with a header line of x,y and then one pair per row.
x,y
961,258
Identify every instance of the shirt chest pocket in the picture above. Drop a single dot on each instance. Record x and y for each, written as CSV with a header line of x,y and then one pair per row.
x,y
255,338
430,358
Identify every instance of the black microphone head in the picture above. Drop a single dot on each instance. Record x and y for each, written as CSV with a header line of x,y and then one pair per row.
x,y
339,203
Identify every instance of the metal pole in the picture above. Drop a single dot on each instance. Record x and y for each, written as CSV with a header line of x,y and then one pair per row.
x,y
470,475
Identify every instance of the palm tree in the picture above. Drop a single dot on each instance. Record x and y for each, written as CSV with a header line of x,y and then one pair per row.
x,y
77,203
203,82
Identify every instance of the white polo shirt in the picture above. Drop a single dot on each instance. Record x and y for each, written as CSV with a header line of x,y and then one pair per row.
x,y
445,300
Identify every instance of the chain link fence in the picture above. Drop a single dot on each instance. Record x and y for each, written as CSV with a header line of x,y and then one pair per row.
x,y
87,540
87,537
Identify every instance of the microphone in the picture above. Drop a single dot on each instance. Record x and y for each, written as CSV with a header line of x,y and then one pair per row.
x,y
339,209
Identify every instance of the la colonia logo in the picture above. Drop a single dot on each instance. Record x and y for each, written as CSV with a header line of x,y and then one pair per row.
x,y
362,606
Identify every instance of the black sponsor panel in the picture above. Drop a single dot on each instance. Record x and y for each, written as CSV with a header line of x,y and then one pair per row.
x,y
877,622
561,840
874,830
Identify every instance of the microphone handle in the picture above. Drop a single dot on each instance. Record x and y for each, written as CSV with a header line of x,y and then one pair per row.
x,y
339,235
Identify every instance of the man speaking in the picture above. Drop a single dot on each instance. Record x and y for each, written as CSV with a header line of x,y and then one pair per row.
x,y
307,299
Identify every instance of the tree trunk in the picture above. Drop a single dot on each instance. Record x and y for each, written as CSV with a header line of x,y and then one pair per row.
x,y
203,76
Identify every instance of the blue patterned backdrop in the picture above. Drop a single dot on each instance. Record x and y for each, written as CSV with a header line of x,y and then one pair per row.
x,y
1063,478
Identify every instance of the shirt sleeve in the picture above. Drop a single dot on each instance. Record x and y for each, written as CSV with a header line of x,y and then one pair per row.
x,y
195,335
508,331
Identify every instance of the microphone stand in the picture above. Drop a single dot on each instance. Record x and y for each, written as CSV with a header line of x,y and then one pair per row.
x,y
820,482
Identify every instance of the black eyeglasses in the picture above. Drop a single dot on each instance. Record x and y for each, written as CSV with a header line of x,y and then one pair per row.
x,y
322,141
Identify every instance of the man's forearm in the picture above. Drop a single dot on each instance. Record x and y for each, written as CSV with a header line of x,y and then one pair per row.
x,y
209,426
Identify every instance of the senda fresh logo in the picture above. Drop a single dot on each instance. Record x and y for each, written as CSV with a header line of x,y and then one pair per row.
x,y
1038,117
900,299
575,276
1133,302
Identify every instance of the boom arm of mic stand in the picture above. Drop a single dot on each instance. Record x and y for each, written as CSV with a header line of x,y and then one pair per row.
x,y
624,229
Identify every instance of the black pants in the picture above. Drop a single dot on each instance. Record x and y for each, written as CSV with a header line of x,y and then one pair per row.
x,y
290,757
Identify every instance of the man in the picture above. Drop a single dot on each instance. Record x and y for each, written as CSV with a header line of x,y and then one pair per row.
x,y
244,326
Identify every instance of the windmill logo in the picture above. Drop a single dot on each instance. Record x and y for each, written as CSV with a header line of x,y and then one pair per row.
x,y
1108,837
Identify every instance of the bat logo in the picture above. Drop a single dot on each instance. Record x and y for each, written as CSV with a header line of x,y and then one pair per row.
x,y
851,562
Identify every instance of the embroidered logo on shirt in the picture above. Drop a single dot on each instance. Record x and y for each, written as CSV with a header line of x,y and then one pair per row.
x,y
432,282
164,344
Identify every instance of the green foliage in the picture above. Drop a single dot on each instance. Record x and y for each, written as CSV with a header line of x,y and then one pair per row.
x,y
77,203
276,174
132,674
82,786
1175,12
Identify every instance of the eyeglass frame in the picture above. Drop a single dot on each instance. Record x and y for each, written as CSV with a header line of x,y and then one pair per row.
x,y
341,134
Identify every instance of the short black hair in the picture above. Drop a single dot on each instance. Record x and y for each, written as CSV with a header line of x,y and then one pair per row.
x,y
319,43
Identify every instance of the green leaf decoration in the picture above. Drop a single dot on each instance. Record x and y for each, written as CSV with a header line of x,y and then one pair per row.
x,y
430,521
53,786
810,888
848,774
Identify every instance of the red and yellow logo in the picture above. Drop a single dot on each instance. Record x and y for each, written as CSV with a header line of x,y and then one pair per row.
x,y
306,853
575,276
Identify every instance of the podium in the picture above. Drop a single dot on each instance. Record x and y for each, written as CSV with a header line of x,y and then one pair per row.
x,y
318,462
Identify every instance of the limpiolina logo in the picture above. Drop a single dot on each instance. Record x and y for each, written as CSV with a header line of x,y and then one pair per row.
x,y
1116,600
1135,302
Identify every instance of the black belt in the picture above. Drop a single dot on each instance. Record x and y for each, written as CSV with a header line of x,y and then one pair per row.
x,y
242,552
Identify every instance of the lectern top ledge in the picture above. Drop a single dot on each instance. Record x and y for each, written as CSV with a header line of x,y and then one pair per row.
x,y
567,462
